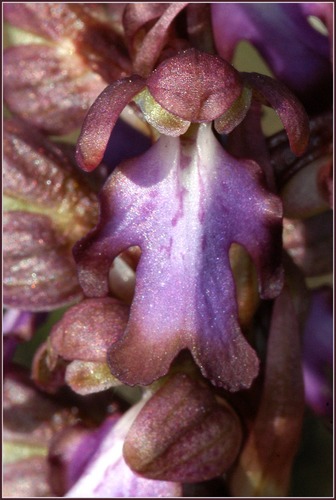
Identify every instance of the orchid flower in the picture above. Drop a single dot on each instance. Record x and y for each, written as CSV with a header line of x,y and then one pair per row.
x,y
179,252
171,202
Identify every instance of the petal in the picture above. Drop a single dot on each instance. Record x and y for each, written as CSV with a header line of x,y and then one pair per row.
x,y
286,105
50,89
87,329
71,450
39,178
101,119
178,202
108,476
135,18
195,86
297,54
22,324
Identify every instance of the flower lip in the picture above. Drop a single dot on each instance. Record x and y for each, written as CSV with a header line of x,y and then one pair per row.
x,y
195,86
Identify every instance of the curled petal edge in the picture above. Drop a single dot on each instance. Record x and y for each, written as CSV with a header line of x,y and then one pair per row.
x,y
274,94
101,119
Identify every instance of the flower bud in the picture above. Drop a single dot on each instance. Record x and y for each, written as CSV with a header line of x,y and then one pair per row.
x,y
183,434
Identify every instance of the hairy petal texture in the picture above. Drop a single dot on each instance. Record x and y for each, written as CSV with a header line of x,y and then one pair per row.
x,y
181,203
297,54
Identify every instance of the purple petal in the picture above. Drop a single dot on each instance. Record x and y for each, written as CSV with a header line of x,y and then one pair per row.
x,y
297,54
51,91
71,450
108,476
190,437
195,86
21,323
101,119
286,105
87,329
178,202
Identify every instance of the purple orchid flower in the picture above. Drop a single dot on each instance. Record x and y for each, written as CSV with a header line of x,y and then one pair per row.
x,y
178,203
298,55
